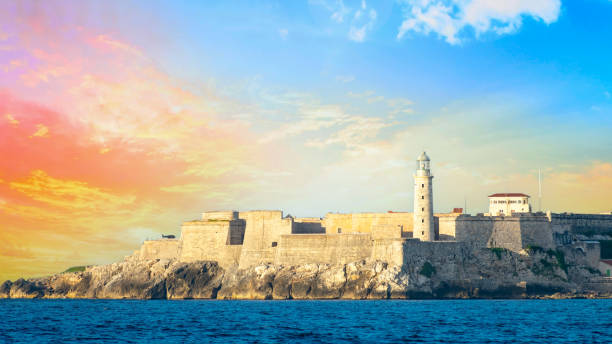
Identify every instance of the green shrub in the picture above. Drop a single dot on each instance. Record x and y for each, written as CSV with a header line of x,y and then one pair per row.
x,y
427,270
75,269
560,258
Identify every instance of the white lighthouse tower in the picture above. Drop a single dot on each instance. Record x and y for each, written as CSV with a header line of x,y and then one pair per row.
x,y
423,227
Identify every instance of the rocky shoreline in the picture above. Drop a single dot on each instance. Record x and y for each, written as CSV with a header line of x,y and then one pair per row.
x,y
486,274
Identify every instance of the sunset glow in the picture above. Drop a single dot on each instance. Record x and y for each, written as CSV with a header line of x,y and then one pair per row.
x,y
119,120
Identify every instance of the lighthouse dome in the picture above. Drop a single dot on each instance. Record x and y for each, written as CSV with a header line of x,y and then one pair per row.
x,y
423,157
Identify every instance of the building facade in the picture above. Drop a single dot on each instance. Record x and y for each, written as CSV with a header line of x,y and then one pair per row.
x,y
505,204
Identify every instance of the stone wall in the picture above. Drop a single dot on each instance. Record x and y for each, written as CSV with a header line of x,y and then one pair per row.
x,y
585,224
159,249
226,215
389,250
512,232
363,222
386,232
308,225
536,231
323,248
210,240
262,234
445,226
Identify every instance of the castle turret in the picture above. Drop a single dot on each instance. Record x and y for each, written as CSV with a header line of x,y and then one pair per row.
x,y
423,227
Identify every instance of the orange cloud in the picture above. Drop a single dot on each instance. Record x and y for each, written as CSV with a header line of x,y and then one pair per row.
x,y
11,119
41,131
68,194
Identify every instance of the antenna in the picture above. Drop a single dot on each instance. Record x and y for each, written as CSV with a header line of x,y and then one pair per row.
x,y
539,189
464,205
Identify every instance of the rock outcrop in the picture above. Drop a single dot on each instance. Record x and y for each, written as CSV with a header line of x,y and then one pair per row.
x,y
482,273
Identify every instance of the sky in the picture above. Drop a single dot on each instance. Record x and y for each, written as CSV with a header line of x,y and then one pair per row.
x,y
120,120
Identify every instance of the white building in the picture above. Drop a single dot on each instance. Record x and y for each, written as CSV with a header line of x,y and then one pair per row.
x,y
423,201
505,204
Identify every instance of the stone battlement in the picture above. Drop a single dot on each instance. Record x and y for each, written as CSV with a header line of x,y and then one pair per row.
x,y
219,215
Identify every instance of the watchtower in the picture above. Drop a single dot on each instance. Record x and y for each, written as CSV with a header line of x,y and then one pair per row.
x,y
423,227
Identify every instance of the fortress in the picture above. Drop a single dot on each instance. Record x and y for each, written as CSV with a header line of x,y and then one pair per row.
x,y
249,238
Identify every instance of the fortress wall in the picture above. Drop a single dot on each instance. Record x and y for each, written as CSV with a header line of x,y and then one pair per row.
x,y
333,222
587,224
263,229
308,226
536,231
363,222
159,249
507,234
236,232
591,252
390,250
208,240
415,249
386,232
446,256
446,226
323,248
512,232
226,215
474,229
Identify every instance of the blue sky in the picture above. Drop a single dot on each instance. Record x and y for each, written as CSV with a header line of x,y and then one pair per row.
x,y
527,82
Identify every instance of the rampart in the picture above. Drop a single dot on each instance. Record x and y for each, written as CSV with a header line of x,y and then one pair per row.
x,y
159,249
363,222
511,232
308,225
585,224
262,234
323,248
218,236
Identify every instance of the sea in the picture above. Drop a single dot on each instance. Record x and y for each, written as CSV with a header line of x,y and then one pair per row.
x,y
388,321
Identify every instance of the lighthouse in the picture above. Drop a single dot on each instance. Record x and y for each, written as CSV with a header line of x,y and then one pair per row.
x,y
423,227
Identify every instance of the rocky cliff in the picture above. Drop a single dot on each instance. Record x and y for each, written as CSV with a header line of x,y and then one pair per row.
x,y
482,273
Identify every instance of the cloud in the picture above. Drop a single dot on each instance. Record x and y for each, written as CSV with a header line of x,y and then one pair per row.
x,y
339,11
116,44
359,18
454,19
68,194
313,118
345,78
359,130
11,119
42,131
362,23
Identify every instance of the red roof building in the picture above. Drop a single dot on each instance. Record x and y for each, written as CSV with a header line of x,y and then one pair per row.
x,y
511,194
507,203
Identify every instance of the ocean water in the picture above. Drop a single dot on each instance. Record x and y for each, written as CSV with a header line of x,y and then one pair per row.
x,y
191,321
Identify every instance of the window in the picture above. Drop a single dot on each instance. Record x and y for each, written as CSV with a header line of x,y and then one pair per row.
x,y
423,233
422,185
422,209
422,197
339,230
274,244
422,220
